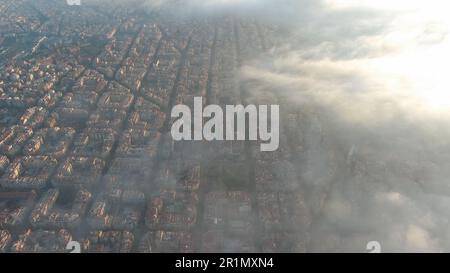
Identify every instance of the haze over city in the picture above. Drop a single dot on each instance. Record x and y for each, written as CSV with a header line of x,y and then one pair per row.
x,y
86,153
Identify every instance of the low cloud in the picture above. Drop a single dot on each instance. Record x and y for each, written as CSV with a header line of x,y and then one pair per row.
x,y
377,84
370,78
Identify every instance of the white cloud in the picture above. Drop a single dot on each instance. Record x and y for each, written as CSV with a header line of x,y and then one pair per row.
x,y
378,82
375,75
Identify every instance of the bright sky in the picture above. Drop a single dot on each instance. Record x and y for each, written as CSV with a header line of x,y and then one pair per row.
x,y
420,32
